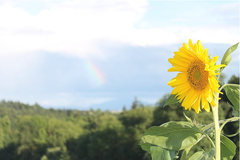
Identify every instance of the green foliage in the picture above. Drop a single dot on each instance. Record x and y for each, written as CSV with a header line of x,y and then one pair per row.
x,y
173,135
140,118
228,148
161,153
232,93
230,128
233,80
1,138
173,112
202,155
197,155
227,56
5,131
171,100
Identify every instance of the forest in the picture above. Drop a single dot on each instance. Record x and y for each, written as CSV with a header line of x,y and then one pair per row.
x,y
30,132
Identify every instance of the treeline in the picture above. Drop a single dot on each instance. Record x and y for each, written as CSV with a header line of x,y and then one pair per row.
x,y
30,132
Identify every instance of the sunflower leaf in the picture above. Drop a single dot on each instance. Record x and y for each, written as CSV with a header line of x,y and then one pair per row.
x,y
235,113
232,93
159,153
173,135
185,152
171,100
227,56
202,155
228,148
146,147
197,155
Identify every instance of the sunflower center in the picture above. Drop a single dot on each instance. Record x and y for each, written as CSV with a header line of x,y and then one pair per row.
x,y
197,76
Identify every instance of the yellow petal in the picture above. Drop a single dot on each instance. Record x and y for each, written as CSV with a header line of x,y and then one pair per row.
x,y
196,106
200,47
190,43
205,105
205,54
180,88
217,67
213,61
177,81
177,69
176,62
190,99
213,103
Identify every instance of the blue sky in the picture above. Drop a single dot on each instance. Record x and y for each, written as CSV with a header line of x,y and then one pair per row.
x,y
102,54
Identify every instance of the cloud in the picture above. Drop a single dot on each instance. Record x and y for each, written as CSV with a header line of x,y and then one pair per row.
x,y
72,101
71,27
78,28
38,50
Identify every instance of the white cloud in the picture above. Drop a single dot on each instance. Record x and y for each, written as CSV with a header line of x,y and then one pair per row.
x,y
209,34
84,101
78,28
71,27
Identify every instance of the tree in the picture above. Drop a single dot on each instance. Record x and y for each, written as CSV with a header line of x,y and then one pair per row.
x,y
136,103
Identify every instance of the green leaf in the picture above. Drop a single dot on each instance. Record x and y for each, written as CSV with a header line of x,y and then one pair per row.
x,y
228,148
227,56
202,155
232,93
235,113
197,155
171,100
173,135
145,147
159,153
210,154
184,155
185,152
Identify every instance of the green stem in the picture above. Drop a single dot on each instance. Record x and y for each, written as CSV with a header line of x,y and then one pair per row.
x,y
227,85
217,129
233,119
210,140
229,120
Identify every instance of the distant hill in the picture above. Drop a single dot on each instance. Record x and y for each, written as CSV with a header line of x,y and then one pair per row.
x,y
13,109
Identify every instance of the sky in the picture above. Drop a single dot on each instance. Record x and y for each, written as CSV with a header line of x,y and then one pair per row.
x,y
78,54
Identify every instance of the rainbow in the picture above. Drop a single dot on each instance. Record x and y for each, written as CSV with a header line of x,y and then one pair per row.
x,y
96,75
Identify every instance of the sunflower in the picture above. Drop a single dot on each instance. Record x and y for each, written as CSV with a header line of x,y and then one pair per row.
x,y
196,84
